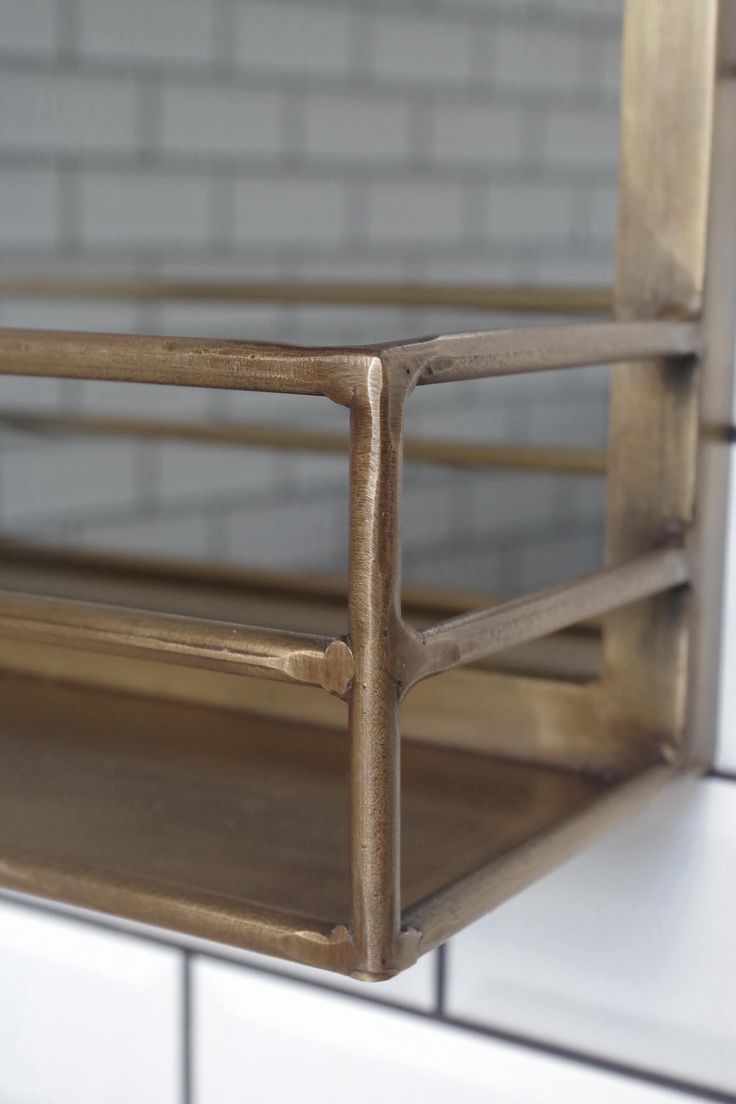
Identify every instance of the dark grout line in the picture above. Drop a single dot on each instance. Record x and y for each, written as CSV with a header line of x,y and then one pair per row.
x,y
187,1030
721,775
597,1062
593,1061
440,980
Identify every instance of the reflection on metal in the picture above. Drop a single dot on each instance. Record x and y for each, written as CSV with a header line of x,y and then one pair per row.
x,y
154,762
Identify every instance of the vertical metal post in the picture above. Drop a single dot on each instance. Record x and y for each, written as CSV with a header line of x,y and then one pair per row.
x,y
669,62
716,407
373,605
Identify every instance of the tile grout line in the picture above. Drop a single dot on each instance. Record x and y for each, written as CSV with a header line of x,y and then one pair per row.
x,y
186,1043
440,980
593,1061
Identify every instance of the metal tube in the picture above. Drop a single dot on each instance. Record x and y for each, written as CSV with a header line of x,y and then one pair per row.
x,y
186,362
541,348
474,636
527,298
373,610
215,645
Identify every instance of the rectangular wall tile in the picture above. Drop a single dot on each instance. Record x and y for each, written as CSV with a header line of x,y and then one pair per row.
x,y
626,952
268,1038
354,128
224,120
144,209
62,112
29,205
52,480
293,37
140,30
422,48
28,26
478,133
283,211
415,211
85,1015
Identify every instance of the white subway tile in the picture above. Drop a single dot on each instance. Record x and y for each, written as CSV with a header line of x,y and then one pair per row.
x,y
292,37
224,120
196,469
144,399
70,314
526,58
582,139
167,30
352,128
28,207
63,112
28,26
85,1015
530,212
421,47
310,533
415,211
289,211
478,133
172,537
144,208
626,952
57,479
604,214
338,1049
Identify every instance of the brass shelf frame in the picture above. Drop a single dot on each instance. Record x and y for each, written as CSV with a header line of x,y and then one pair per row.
x,y
581,751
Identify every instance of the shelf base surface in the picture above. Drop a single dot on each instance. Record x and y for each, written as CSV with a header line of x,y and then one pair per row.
x,y
234,813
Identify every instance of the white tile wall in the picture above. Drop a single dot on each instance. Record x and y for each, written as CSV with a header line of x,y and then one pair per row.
x,y
220,120
356,127
29,203
423,49
144,209
286,139
537,59
293,37
270,1039
627,951
85,1016
28,26
169,30
61,111
478,133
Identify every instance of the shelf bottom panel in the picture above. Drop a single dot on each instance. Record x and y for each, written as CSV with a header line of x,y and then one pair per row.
x,y
209,820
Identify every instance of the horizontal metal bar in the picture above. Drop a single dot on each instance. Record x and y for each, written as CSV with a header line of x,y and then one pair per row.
x,y
446,912
187,362
475,636
461,454
541,348
527,298
194,642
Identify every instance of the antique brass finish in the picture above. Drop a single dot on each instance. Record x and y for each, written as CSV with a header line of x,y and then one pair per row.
x,y
529,298
156,764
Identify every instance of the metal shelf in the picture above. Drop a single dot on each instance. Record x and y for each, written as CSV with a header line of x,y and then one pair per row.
x,y
348,778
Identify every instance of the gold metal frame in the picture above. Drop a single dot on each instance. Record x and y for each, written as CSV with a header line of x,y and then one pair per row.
x,y
526,767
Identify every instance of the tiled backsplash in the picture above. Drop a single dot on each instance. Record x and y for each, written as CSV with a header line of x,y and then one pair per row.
x,y
330,139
